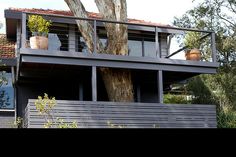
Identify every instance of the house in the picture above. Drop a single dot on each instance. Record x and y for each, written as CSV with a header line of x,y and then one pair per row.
x,y
69,72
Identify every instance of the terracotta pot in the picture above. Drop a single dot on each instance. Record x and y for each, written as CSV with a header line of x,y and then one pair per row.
x,y
194,54
39,42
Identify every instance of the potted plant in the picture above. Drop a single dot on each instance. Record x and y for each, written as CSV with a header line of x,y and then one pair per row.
x,y
193,43
39,27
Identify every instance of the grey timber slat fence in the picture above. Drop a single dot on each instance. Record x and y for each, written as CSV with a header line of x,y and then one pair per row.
x,y
7,121
131,115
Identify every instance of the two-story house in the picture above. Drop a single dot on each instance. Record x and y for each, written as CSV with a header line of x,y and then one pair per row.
x,y
69,72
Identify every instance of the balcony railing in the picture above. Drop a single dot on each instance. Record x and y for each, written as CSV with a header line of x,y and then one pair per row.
x,y
143,40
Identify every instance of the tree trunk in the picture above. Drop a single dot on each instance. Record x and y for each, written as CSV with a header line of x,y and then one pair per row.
x,y
118,82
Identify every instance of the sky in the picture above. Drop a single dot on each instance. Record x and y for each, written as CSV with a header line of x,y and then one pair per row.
x,y
159,11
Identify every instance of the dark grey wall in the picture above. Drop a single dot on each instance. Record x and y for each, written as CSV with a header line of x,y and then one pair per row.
x,y
147,81
149,92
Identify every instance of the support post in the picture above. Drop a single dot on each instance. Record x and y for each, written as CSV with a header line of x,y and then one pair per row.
x,y
213,47
18,38
138,93
94,83
168,44
160,86
81,91
95,37
23,35
158,53
143,48
72,38
14,87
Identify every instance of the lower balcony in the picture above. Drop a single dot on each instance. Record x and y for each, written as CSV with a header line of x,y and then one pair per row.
x,y
90,114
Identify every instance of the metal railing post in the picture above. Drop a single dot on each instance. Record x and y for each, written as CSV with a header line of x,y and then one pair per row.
x,y
213,47
94,83
158,53
23,30
160,85
95,36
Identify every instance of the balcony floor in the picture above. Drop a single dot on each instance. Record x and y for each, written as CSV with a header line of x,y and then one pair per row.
x,y
115,61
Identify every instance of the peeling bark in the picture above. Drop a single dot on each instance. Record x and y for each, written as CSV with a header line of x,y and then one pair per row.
x,y
117,36
85,27
118,82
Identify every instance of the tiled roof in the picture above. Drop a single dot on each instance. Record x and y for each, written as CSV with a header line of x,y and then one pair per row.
x,y
7,48
90,14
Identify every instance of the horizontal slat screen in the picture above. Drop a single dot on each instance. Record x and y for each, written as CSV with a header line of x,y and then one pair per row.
x,y
131,115
7,122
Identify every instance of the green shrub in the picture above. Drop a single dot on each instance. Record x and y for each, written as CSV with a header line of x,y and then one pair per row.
x,y
192,40
175,99
44,105
226,118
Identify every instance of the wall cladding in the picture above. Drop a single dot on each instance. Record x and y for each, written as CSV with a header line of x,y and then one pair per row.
x,y
132,115
7,120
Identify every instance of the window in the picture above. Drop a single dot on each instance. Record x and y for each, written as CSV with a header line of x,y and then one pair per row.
x,y
135,48
150,49
58,37
7,93
54,42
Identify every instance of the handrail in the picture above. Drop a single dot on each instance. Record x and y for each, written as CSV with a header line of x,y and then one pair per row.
x,y
157,30
183,48
120,22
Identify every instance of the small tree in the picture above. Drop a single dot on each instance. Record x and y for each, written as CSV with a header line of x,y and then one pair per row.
x,y
45,106
192,40
38,25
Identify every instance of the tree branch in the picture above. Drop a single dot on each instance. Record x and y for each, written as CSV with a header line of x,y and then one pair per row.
x,y
232,9
218,10
117,37
85,27
222,18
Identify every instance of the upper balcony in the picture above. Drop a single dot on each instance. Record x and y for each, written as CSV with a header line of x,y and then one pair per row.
x,y
151,47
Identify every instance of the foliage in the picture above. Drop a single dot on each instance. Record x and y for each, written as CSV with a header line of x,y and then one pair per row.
x,y
18,122
3,79
219,89
192,40
226,118
111,125
201,93
175,99
4,98
215,15
37,24
45,106
62,124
